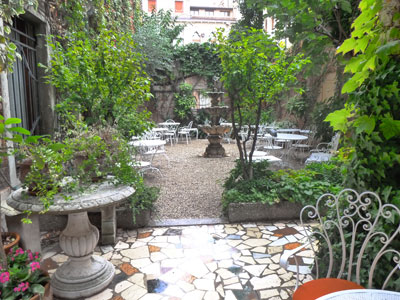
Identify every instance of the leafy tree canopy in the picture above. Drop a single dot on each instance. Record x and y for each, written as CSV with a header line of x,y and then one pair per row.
x,y
198,59
157,38
255,70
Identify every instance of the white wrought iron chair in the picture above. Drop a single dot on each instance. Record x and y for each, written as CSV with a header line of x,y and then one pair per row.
x,y
185,131
356,235
192,129
171,133
324,151
143,161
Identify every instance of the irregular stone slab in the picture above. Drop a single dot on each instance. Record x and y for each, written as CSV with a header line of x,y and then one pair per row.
x,y
255,270
204,284
136,253
267,294
135,292
256,242
266,282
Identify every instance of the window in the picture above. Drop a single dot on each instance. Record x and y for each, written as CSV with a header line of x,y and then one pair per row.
x,y
151,5
204,101
179,6
194,12
209,12
225,13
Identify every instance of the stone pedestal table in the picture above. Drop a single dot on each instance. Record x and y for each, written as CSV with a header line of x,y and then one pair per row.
x,y
84,274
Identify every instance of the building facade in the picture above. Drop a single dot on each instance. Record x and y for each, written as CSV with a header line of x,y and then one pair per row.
x,y
201,17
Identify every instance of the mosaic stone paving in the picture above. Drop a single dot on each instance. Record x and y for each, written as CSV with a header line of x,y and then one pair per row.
x,y
231,261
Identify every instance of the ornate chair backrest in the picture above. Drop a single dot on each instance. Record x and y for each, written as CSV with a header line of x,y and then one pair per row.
x,y
189,126
363,231
334,144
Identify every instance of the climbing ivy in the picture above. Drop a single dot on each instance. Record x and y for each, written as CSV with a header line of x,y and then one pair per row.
x,y
199,59
9,9
371,117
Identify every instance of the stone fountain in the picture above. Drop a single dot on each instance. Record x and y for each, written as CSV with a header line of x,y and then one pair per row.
x,y
215,131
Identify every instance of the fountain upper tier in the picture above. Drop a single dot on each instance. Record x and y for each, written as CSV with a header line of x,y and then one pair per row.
x,y
215,113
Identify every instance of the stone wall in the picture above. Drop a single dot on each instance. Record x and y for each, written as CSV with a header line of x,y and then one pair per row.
x,y
162,105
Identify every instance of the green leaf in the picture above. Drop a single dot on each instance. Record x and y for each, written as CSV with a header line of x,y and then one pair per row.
x,y
347,46
39,161
361,44
19,130
10,121
56,146
339,118
38,289
364,124
370,64
355,81
346,6
389,48
16,138
349,86
389,127
33,139
353,64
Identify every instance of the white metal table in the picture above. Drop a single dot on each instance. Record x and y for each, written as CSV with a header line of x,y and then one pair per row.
x,y
166,124
148,143
290,139
288,130
367,294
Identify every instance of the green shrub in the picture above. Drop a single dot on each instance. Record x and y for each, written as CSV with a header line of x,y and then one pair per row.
x,y
301,186
143,199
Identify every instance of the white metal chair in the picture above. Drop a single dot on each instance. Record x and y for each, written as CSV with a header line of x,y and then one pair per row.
x,y
192,129
183,132
143,162
171,133
324,151
355,235
269,143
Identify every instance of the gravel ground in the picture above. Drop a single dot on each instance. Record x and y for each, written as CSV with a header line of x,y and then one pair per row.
x,y
191,186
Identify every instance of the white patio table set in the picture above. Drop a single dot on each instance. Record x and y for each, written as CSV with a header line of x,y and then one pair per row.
x,y
288,139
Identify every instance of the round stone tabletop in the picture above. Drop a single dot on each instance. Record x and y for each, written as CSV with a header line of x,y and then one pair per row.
x,y
97,195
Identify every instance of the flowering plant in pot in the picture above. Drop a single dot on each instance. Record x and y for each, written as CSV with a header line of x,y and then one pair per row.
x,y
23,279
74,161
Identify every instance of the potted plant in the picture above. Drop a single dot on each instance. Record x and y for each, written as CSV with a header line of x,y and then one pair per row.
x,y
44,174
136,212
76,160
9,240
23,278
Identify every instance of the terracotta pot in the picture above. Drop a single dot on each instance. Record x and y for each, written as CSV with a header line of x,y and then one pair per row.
x,y
17,237
48,292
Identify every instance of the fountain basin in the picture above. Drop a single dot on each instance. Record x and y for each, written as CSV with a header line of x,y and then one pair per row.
x,y
215,129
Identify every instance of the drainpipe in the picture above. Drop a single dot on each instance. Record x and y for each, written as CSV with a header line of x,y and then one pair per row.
x,y
7,114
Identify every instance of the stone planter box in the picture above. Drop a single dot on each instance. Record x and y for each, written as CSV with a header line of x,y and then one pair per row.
x,y
252,212
125,218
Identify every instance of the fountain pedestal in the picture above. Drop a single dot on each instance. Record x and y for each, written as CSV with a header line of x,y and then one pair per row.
x,y
215,133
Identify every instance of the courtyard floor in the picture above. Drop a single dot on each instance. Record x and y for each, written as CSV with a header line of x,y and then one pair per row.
x,y
223,261
205,262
